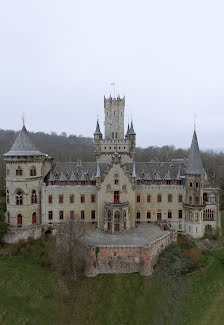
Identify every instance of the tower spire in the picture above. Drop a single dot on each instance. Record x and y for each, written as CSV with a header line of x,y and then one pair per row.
x,y
194,164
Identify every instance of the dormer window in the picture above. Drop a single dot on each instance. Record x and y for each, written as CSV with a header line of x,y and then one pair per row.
x,y
19,171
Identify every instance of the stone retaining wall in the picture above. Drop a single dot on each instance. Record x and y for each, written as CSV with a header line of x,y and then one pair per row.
x,y
126,259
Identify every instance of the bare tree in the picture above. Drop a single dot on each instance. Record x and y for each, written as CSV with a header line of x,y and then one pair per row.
x,y
69,250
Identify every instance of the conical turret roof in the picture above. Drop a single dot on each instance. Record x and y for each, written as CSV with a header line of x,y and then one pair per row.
x,y
194,164
23,146
97,132
131,130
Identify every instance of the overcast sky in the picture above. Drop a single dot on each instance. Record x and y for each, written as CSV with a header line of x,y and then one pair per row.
x,y
57,59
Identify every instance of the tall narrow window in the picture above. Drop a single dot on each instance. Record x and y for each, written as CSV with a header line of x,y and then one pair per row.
x,y
180,214
50,215
82,214
170,197
33,171
159,198
71,198
148,198
82,198
116,197
7,197
61,215
19,171
50,199
93,198
93,214
138,198
34,218
170,214
190,199
148,214
180,198
34,197
138,215
19,220
60,198
19,197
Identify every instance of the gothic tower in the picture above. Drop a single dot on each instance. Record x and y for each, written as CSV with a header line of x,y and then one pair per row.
x,y
195,176
26,167
114,139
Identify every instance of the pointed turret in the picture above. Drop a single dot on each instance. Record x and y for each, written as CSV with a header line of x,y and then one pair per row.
x,y
194,164
131,130
23,146
127,130
97,132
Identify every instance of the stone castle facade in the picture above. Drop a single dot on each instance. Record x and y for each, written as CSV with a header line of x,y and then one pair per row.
x,y
115,193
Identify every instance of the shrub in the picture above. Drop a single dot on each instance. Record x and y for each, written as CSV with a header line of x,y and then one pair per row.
x,y
195,255
184,242
174,262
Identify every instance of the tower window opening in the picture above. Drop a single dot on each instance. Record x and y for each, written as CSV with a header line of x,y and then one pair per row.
x,y
19,171
34,197
33,171
19,197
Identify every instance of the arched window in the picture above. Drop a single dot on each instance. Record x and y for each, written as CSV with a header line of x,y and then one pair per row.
x,y
211,197
208,214
34,197
205,197
19,197
7,197
19,171
34,218
19,220
33,171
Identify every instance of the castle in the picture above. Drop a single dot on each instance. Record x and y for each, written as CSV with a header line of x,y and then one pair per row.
x,y
115,193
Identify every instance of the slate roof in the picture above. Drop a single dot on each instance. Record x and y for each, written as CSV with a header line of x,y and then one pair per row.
x,y
97,132
131,130
72,171
194,164
23,146
158,170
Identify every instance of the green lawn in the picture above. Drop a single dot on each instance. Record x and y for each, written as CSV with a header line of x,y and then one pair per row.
x,y
29,294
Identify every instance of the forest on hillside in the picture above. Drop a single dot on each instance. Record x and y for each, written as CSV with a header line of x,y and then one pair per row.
x,y
70,148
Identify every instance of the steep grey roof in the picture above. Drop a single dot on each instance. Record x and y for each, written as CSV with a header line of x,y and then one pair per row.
x,y
23,146
131,130
97,132
62,178
128,129
168,177
194,164
74,171
158,169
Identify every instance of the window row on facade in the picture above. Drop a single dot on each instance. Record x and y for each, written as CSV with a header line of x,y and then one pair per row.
x,y
159,182
72,215
72,183
19,197
82,198
158,215
159,198
19,171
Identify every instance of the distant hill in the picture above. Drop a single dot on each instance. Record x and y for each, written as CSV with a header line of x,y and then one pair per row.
x,y
72,147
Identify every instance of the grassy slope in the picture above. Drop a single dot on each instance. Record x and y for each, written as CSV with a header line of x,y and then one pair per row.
x,y
28,293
